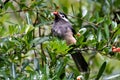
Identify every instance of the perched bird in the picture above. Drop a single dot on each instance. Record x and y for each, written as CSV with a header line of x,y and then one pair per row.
x,y
63,29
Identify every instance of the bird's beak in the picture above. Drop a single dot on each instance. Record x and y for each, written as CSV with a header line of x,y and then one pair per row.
x,y
55,13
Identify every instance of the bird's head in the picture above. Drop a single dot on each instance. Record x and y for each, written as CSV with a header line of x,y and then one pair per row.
x,y
60,16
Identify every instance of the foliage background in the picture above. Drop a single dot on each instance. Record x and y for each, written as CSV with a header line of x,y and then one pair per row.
x,y
29,52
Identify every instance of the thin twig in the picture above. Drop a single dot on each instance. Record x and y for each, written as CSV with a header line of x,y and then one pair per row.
x,y
28,9
84,20
15,35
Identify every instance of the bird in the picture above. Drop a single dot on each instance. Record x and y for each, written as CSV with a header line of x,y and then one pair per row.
x,y
62,28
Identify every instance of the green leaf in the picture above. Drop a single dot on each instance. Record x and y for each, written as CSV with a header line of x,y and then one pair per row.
x,y
4,18
13,70
99,34
100,20
28,28
39,40
118,16
12,30
59,70
92,19
25,64
106,27
101,70
28,18
36,64
116,32
9,4
58,46
45,72
1,2
65,9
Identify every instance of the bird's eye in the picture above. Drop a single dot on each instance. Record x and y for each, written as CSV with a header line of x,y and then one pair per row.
x,y
63,16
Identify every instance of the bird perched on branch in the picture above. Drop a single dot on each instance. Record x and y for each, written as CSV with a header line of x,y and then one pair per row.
x,y
63,29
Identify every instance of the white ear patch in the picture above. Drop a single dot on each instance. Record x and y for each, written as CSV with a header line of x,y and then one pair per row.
x,y
64,18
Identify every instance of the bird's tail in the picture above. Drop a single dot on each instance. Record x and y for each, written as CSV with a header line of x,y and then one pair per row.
x,y
80,62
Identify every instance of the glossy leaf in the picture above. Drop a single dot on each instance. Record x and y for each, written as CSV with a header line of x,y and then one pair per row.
x,y
101,70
